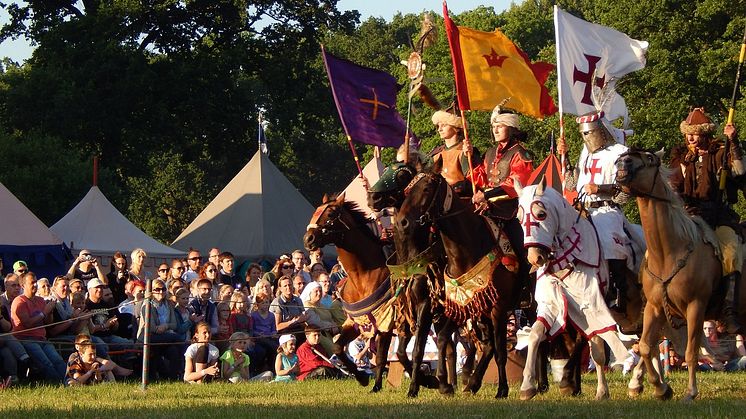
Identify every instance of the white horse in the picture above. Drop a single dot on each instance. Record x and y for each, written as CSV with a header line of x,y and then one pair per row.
x,y
565,248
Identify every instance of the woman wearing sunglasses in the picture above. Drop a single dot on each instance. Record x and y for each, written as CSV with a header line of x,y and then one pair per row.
x,y
210,272
162,330
283,266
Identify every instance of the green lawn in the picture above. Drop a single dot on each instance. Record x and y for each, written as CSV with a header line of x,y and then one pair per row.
x,y
721,396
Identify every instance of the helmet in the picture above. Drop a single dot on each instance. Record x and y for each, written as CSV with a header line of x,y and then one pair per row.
x,y
593,129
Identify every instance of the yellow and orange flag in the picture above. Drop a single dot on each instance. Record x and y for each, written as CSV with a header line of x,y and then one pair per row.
x,y
489,68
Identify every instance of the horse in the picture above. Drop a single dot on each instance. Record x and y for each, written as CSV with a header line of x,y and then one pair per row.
x,y
682,268
564,247
477,284
360,251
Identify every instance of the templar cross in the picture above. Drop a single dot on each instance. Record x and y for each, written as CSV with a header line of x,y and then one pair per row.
x,y
579,76
527,223
593,169
375,103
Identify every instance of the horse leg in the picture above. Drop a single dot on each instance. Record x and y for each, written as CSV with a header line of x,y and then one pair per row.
x,y
543,378
694,319
424,321
488,350
634,388
617,347
348,335
598,355
499,322
383,341
471,354
653,321
446,356
570,384
537,335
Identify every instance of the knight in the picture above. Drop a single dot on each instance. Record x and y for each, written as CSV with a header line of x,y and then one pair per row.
x,y
696,169
453,153
494,179
595,176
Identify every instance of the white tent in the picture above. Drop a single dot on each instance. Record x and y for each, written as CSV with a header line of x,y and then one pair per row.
x,y
258,215
95,224
23,236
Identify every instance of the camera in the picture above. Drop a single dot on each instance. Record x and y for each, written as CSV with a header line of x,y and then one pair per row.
x,y
87,258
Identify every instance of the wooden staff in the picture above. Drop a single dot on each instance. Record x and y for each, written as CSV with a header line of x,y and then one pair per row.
x,y
731,113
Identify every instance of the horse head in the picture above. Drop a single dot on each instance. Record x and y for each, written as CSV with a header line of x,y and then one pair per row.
x,y
329,223
539,217
389,190
427,198
638,171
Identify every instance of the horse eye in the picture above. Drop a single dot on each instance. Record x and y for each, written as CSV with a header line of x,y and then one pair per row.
x,y
538,211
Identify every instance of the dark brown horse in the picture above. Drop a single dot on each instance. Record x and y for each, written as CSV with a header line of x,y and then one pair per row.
x,y
682,270
362,256
468,241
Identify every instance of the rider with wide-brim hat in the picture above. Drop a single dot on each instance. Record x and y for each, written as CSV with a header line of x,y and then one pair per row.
x,y
696,168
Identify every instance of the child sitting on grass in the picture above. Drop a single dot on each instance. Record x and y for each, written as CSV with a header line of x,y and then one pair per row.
x,y
83,367
286,363
201,357
235,361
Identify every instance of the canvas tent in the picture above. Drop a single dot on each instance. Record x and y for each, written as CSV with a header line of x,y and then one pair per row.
x,y
23,236
258,215
356,191
95,224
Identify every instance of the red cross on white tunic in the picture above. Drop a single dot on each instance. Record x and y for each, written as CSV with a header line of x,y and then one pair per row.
x,y
593,170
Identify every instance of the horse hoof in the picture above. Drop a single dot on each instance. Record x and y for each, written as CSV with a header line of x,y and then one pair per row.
x,y
528,394
412,393
363,379
634,392
567,391
446,389
430,381
502,393
543,388
604,395
376,388
666,395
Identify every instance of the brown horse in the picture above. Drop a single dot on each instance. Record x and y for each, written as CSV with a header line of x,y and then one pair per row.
x,y
432,204
682,270
362,256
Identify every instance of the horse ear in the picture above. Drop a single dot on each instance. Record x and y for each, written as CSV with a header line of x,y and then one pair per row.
x,y
542,186
517,186
437,166
661,152
341,198
324,198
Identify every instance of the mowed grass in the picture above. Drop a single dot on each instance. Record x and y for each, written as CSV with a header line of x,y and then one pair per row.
x,y
721,396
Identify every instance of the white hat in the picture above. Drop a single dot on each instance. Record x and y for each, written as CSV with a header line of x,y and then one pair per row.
x,y
95,282
505,118
306,294
447,118
286,338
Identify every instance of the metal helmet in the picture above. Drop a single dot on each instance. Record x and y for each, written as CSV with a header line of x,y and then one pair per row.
x,y
594,132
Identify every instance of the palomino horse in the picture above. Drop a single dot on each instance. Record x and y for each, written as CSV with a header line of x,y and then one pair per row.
x,y
360,251
682,266
565,248
477,284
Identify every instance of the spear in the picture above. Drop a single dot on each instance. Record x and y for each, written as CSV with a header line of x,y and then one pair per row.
x,y
731,113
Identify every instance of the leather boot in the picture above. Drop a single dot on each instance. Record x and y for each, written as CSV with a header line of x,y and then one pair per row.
x,y
730,303
618,283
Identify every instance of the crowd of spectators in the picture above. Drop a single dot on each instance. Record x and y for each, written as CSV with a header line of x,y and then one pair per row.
x,y
204,321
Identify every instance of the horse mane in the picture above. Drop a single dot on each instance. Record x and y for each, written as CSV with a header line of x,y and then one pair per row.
x,y
357,214
679,219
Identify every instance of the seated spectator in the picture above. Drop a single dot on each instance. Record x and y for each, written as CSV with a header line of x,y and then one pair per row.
x,y
264,332
235,361
163,273
76,285
319,317
227,273
288,309
253,275
316,270
173,285
262,287
317,256
286,362
336,275
20,268
194,259
632,359
201,357
298,285
86,267
728,354
224,326
12,290
118,276
359,351
283,267
202,306
313,359
225,292
330,301
240,319
12,352
176,271
185,320
105,321
29,314
162,330
67,331
85,368
43,286
210,272
135,292
214,256
299,263
137,268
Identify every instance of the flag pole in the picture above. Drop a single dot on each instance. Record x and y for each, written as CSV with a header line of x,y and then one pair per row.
x,y
341,118
561,146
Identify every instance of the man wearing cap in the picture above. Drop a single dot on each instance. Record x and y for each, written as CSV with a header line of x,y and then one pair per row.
x,y
20,268
29,314
105,321
494,181
313,360
696,177
452,152
595,176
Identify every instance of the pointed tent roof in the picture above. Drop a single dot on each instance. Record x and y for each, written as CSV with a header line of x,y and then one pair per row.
x,y
97,225
356,191
20,226
259,214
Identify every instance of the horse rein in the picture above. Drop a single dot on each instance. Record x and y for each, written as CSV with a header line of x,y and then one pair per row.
x,y
426,217
648,194
327,227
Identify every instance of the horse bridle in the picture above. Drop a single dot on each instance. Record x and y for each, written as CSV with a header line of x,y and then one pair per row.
x,y
427,217
327,229
657,163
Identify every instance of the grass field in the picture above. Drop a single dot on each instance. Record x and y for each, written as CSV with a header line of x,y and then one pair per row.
x,y
721,396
